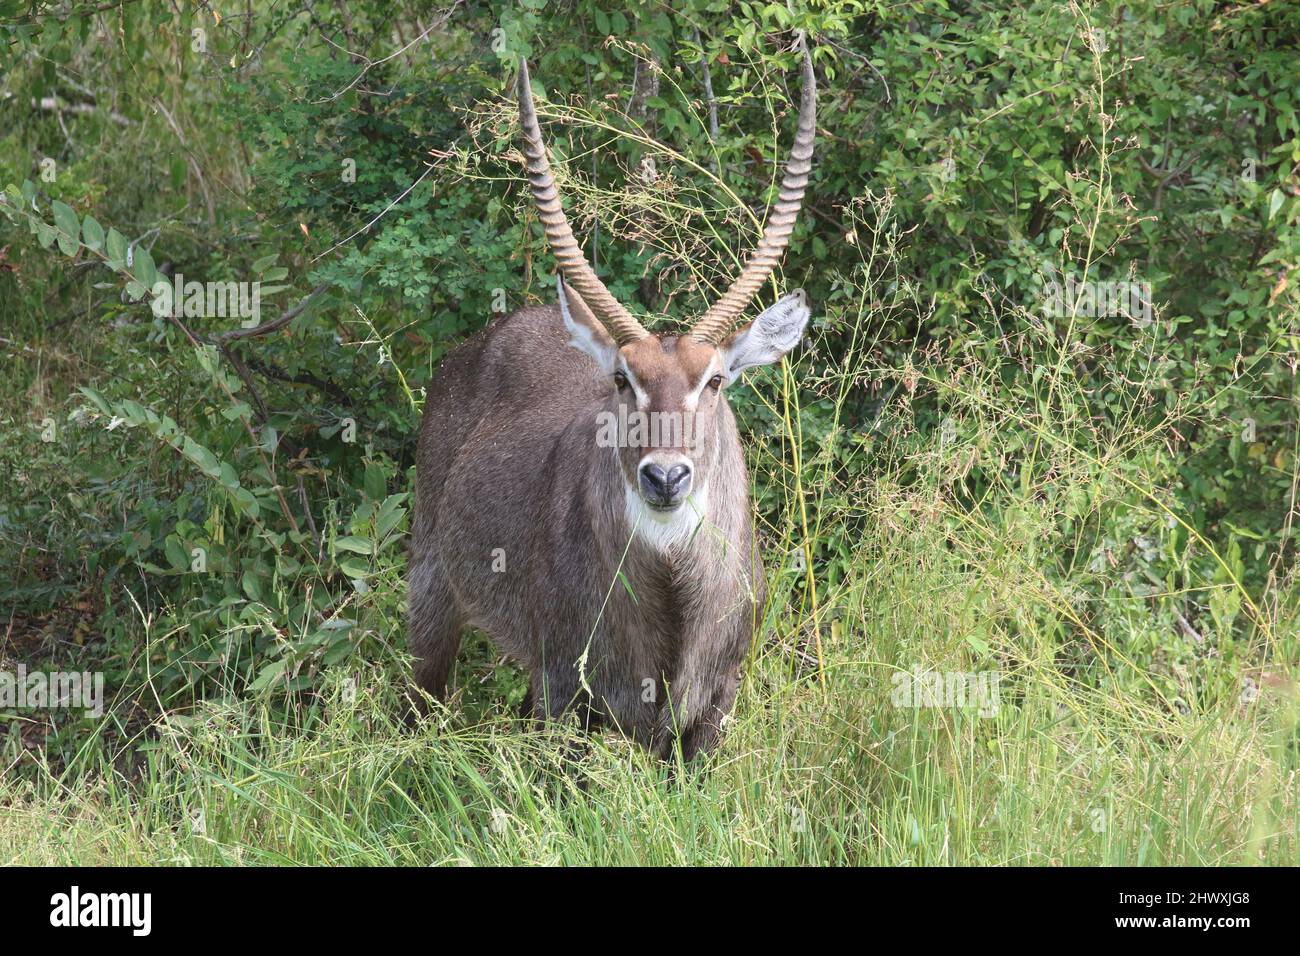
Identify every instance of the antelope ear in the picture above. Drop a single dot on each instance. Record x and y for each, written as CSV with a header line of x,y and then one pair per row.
x,y
586,334
776,331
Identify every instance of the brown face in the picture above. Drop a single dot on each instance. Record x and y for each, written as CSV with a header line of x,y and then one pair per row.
x,y
665,394
668,390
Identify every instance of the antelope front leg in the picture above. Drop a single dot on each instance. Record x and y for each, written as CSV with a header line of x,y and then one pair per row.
x,y
702,694
554,691
702,734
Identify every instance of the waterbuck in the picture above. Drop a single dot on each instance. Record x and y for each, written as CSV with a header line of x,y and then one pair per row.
x,y
615,561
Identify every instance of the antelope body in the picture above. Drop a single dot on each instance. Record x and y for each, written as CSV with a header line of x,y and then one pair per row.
x,y
617,565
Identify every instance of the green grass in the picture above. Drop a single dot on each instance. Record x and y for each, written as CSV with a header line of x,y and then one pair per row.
x,y
810,773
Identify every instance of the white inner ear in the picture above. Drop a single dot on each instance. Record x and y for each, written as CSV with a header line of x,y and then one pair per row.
x,y
583,337
776,331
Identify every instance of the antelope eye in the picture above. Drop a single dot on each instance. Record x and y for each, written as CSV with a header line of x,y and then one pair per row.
x,y
620,381
715,383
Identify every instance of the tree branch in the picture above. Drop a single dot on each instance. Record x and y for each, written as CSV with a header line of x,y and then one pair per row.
x,y
268,327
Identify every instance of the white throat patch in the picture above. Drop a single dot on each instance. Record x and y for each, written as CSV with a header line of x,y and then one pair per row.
x,y
663,530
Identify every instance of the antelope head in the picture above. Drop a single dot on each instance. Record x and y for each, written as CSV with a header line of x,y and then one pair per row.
x,y
665,391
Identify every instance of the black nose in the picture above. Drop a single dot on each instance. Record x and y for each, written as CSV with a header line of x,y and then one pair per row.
x,y
665,488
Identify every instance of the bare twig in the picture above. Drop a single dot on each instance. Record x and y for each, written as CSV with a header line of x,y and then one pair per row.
x,y
257,445
306,510
1185,626
371,64
242,371
267,327
430,168
1167,172
193,161
822,38
645,84
324,386
709,99
52,104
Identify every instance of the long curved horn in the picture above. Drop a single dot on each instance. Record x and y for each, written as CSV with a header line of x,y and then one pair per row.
x,y
716,322
616,319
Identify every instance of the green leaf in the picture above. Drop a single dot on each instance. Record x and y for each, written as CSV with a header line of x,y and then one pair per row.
x,y
354,567
390,514
98,400
176,554
354,544
115,247
245,501
252,585
132,411
338,651
237,410
206,461
627,586
268,675
66,219
144,270
1275,201
375,481
93,233
45,234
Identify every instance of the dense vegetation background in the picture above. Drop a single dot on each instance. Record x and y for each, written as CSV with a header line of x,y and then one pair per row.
x,y
952,474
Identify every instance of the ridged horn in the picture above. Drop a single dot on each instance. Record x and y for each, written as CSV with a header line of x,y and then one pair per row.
x,y
718,320
568,254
